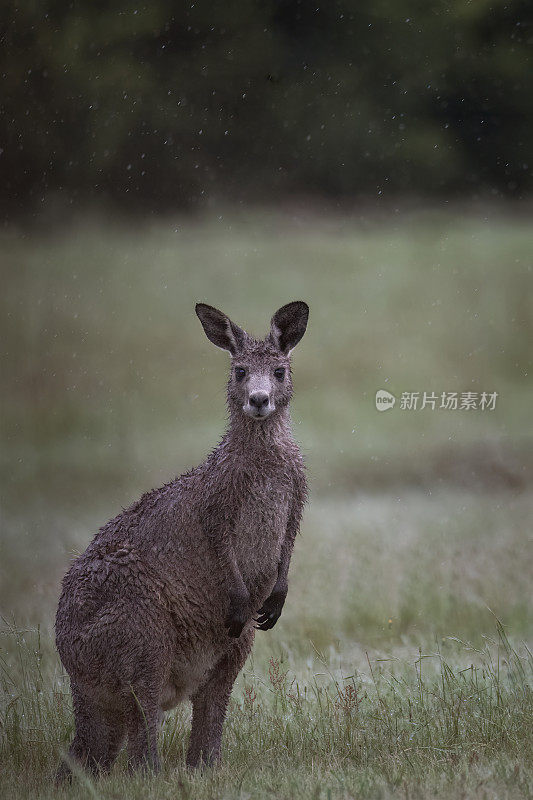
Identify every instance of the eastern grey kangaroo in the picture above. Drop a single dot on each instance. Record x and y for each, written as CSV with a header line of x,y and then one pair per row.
x,y
163,604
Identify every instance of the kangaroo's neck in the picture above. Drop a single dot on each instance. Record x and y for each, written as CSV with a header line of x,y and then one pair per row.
x,y
249,434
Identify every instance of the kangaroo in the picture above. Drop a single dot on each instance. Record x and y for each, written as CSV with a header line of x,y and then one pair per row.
x,y
163,604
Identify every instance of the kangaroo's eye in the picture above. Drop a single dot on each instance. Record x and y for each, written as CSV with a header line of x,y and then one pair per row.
x,y
240,372
279,373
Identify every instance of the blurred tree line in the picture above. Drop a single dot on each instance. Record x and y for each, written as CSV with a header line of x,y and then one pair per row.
x,y
169,104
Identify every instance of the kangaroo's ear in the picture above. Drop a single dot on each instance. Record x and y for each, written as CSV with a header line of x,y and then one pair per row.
x,y
288,325
219,329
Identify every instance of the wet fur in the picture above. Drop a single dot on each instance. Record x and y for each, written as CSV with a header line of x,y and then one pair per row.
x,y
161,606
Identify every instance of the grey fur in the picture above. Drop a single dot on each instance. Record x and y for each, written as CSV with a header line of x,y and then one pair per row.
x,y
163,604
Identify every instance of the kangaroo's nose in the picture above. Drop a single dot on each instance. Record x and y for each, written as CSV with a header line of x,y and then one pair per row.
x,y
259,399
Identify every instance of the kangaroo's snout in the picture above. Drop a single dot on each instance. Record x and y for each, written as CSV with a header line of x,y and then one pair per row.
x,y
259,399
258,405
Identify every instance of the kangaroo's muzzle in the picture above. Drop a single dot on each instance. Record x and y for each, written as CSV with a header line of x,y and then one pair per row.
x,y
258,405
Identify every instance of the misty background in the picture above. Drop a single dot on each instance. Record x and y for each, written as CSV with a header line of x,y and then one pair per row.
x,y
375,160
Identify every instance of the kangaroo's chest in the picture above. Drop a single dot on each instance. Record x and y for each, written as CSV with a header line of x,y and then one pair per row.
x,y
260,528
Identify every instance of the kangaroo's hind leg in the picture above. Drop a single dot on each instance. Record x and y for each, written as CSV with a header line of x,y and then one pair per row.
x,y
99,736
210,703
142,721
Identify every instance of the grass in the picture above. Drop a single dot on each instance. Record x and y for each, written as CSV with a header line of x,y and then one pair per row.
x,y
400,667
396,727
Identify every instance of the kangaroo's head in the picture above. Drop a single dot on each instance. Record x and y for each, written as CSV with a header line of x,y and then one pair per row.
x,y
260,378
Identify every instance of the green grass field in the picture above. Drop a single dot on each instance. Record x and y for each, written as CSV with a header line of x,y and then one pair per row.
x,y
401,665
